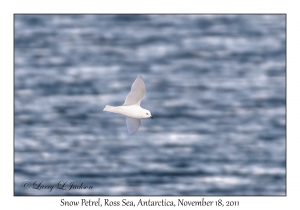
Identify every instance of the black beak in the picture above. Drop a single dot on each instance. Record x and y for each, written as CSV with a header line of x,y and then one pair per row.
x,y
151,117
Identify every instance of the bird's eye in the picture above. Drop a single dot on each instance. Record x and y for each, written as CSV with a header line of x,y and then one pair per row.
x,y
146,113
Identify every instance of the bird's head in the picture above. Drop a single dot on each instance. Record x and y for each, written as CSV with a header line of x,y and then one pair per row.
x,y
146,114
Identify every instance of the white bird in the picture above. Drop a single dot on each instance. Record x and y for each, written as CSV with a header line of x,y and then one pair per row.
x,y
131,109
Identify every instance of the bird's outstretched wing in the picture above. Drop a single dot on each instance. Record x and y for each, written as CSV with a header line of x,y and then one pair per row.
x,y
133,124
137,93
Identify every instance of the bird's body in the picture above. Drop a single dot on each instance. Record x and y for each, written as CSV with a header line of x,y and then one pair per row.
x,y
131,109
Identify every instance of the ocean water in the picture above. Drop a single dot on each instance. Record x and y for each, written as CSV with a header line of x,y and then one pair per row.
x,y
215,87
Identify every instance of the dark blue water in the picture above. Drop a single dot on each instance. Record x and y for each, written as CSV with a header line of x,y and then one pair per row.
x,y
215,86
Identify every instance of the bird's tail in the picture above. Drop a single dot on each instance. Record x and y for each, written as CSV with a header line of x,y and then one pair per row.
x,y
108,108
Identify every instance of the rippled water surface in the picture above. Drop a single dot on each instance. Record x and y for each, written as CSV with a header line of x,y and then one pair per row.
x,y
215,86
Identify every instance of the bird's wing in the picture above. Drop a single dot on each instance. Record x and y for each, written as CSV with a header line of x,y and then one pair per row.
x,y
137,93
132,124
